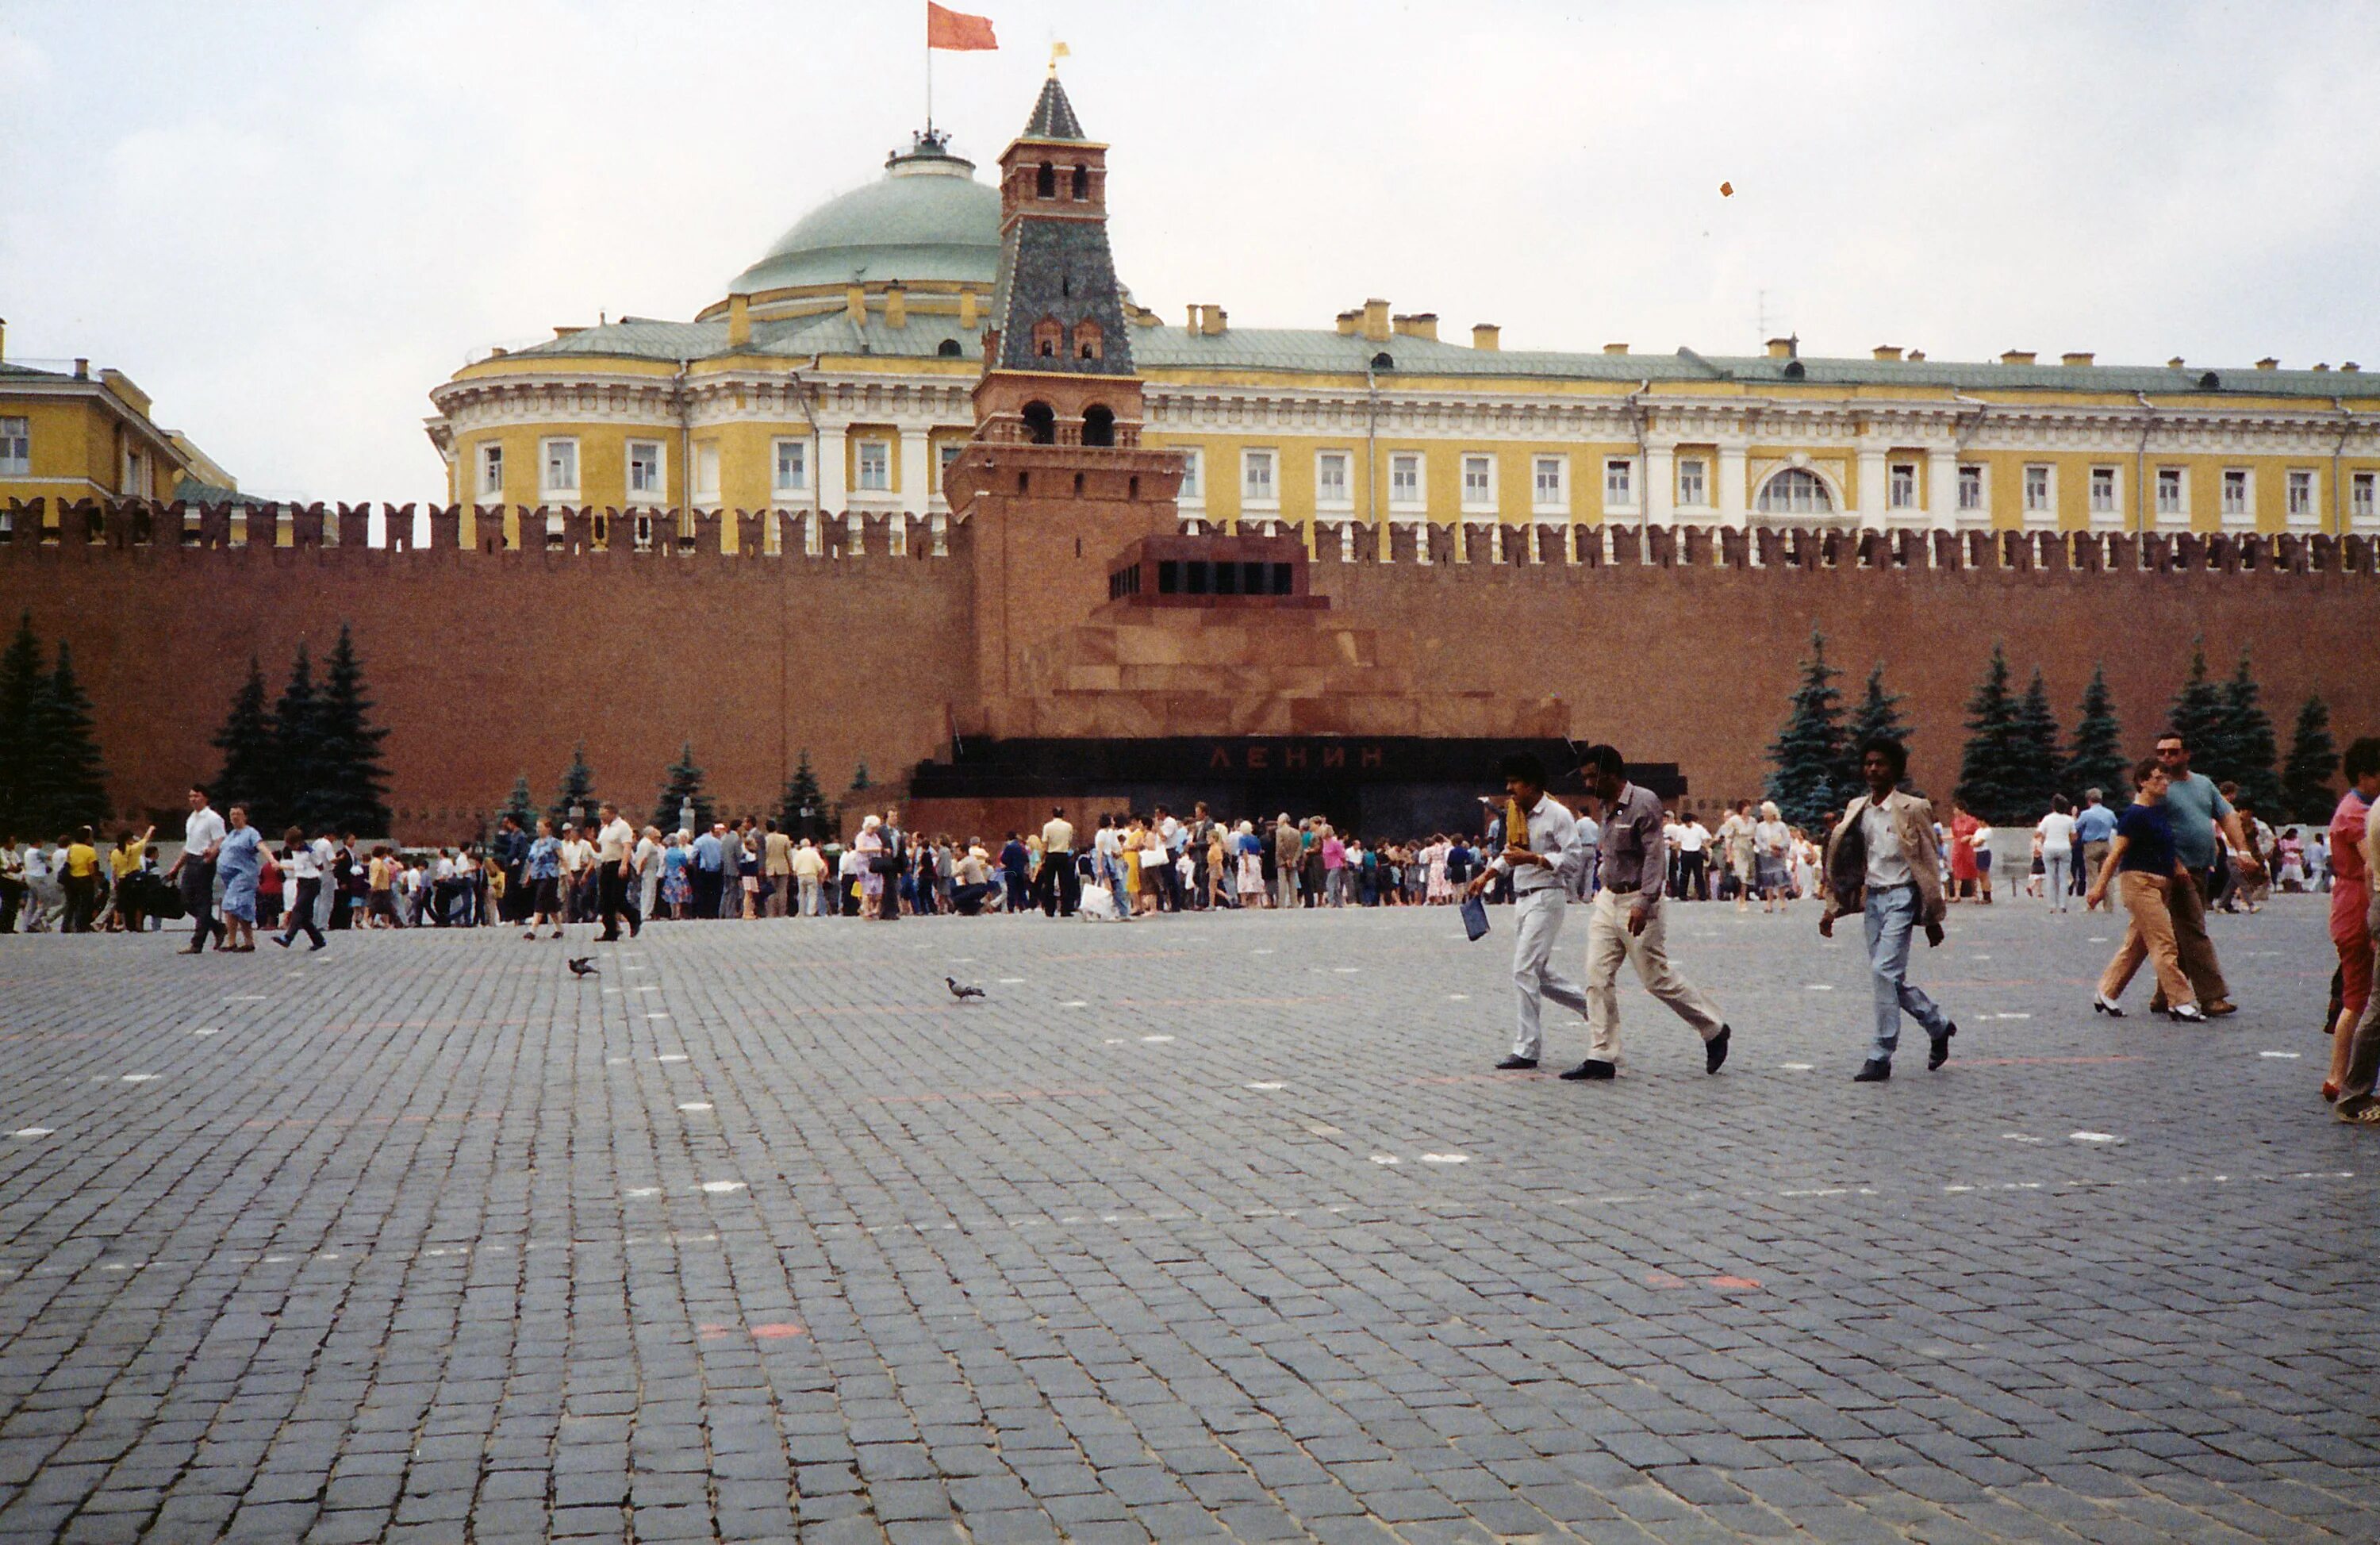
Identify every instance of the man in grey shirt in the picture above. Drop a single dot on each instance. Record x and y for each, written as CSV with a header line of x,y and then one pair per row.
x,y
2195,808
1626,923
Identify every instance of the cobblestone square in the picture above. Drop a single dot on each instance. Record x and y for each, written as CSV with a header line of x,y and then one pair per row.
x,y
1211,1226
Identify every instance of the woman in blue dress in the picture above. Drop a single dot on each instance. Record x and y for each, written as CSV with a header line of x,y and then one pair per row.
x,y
238,862
677,887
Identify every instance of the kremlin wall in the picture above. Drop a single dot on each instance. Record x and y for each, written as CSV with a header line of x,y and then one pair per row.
x,y
931,494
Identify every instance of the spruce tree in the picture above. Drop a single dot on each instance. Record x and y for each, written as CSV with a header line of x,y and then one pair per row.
x,y
1808,755
348,747
803,795
250,776
860,783
2098,759
2306,794
521,805
22,685
1992,771
2044,759
2248,740
2197,716
70,782
685,786
577,788
1878,714
296,798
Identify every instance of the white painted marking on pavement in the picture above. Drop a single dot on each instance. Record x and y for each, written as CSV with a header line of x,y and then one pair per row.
x,y
644,1191
2094,1138
1386,1159
1074,1003
1820,986
695,1105
720,1188
1151,1038
1268,1086
2021,1137
1011,981
139,1078
1446,1158
1797,1066
208,1029
2286,1056
671,1056
1457,997
32,1132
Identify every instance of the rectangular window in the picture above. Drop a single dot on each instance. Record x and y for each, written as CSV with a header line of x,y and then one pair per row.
x,y
1619,483
561,474
2037,499
2235,492
1255,479
2172,497
949,452
706,474
792,466
1694,483
1404,480
1901,485
1330,481
136,475
1192,461
15,447
875,467
644,469
2302,496
1478,482
1971,489
2363,497
2103,491
492,471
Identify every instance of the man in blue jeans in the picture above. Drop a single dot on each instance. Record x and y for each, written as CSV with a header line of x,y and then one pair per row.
x,y
1883,858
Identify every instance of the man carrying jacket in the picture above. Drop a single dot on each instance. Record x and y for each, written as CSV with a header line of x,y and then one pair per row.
x,y
1882,858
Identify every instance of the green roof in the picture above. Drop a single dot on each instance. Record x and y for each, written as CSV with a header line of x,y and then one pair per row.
x,y
925,219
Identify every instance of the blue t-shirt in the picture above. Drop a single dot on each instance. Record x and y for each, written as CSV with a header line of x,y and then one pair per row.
x,y
241,855
706,852
1013,858
2192,806
545,859
2148,840
2095,824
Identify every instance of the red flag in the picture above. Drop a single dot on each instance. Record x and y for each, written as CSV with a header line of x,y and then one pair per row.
x,y
956,30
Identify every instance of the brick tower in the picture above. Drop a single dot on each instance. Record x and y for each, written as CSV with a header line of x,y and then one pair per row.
x,y
1055,483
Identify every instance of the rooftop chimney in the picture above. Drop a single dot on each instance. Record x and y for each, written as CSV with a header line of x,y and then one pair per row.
x,y
854,304
1785,348
1887,351
2174,363
2351,365
1486,335
3,338
739,320
1916,356
1418,325
1210,320
1348,321
2268,363
1615,348
2017,356
82,369
967,311
1376,321
896,306
2074,358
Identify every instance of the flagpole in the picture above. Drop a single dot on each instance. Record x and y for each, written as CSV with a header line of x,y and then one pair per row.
x,y
930,74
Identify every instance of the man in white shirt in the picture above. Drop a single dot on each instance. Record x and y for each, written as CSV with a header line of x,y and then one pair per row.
x,y
2057,831
1541,863
810,868
616,842
1882,859
1694,842
1061,889
202,835
305,863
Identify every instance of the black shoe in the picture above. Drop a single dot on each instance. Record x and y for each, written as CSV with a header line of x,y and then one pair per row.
x,y
192,949
282,940
316,945
1592,1070
1875,1070
1715,1049
1512,1065
1941,1051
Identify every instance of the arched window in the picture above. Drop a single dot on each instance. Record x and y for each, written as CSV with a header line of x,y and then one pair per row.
x,y
1384,360
1795,491
1049,339
948,349
1087,340
1082,191
1099,426
1045,182
1041,423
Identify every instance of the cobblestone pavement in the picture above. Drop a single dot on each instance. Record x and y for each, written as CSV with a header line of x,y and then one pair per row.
x,y
1216,1225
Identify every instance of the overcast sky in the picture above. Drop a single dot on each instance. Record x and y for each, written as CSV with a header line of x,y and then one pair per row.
x,y
287,221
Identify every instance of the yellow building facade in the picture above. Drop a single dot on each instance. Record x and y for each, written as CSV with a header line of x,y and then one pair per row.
x,y
71,433
834,378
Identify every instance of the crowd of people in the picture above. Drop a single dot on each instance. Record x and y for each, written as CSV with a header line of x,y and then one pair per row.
x,y
2182,845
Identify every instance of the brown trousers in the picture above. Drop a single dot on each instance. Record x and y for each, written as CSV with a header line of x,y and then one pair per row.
x,y
2186,903
2147,897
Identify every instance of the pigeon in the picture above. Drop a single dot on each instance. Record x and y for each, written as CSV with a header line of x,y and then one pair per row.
x,y
958,991
584,966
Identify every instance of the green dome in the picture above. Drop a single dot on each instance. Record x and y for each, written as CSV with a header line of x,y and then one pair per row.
x,y
926,218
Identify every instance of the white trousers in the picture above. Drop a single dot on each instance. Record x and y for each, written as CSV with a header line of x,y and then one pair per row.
x,y
1609,943
1536,924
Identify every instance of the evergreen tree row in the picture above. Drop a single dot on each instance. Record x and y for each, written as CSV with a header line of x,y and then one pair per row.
x,y
803,809
2016,759
51,777
312,757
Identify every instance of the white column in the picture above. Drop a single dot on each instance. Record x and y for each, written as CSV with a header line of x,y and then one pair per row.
x,y
1734,499
1871,508
1660,485
1942,488
828,477
916,486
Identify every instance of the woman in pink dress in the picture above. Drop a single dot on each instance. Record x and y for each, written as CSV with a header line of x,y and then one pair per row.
x,y
867,844
1440,892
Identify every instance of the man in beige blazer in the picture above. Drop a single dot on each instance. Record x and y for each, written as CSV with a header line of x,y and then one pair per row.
x,y
1882,859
